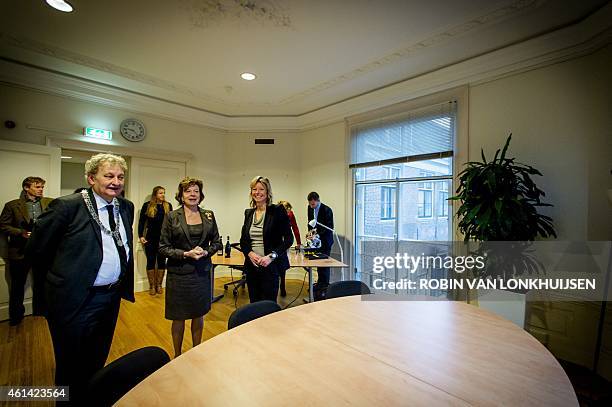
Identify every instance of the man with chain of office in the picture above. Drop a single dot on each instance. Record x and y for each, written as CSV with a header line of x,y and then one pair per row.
x,y
83,246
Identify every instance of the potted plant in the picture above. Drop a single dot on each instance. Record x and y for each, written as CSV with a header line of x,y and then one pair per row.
x,y
499,201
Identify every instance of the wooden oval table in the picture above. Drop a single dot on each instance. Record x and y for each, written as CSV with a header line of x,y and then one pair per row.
x,y
349,351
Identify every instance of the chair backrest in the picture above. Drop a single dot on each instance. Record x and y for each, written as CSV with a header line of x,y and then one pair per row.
x,y
346,288
252,311
114,380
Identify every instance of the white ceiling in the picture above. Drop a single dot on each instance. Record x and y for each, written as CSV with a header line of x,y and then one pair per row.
x,y
308,55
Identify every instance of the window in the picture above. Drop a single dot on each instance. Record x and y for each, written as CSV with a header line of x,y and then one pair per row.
x,y
424,203
392,172
442,198
399,164
387,202
424,200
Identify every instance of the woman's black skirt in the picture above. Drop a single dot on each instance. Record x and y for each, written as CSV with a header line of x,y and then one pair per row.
x,y
187,295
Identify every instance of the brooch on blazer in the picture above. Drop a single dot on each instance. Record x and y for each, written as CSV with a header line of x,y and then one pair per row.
x,y
209,216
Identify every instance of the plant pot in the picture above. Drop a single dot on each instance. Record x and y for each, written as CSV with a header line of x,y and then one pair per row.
x,y
507,304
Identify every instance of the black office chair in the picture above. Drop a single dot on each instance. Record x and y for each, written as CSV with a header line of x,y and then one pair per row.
x,y
241,282
114,380
346,288
252,311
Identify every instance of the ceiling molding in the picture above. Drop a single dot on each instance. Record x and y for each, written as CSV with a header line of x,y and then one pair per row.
x,y
583,38
472,25
99,65
552,48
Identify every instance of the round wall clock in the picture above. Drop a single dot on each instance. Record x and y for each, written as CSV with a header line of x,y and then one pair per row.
x,y
132,130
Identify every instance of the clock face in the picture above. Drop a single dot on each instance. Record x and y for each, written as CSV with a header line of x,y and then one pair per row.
x,y
132,130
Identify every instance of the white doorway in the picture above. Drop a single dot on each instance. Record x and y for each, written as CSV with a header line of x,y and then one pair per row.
x,y
144,174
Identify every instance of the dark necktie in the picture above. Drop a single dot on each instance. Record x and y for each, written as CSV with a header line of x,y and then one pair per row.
x,y
120,248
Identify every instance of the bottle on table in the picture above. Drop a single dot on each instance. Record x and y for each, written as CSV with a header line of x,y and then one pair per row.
x,y
228,248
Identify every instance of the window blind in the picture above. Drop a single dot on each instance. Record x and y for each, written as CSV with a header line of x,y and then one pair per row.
x,y
417,135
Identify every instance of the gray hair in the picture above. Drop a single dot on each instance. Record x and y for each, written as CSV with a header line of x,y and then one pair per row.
x,y
96,161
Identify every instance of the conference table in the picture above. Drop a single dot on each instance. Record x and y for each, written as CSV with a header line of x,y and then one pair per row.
x,y
351,351
296,259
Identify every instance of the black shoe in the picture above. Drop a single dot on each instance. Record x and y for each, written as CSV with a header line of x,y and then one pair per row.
x,y
16,321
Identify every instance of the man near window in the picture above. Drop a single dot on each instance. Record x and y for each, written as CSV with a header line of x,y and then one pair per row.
x,y
85,242
324,216
17,220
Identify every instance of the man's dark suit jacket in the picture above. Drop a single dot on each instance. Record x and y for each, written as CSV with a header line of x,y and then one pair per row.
x,y
277,235
175,241
14,220
66,244
325,217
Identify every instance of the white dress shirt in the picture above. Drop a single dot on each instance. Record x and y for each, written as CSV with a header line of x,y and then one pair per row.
x,y
316,211
110,269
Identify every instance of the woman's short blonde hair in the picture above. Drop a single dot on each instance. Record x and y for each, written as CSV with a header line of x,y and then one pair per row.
x,y
266,183
185,184
96,161
286,205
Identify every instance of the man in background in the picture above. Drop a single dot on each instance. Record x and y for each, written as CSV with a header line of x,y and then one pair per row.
x,y
17,220
324,216
84,243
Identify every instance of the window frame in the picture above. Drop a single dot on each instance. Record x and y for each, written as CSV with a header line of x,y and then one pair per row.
x,y
388,210
412,101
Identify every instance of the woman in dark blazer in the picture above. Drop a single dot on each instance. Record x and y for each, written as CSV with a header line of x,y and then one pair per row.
x,y
149,231
266,237
189,237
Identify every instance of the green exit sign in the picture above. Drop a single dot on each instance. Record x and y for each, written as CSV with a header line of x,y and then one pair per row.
x,y
98,133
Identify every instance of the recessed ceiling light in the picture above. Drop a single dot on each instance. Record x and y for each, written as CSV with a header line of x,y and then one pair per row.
x,y
247,76
66,157
60,5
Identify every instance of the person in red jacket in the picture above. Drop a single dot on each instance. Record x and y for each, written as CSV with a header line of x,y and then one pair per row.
x,y
296,234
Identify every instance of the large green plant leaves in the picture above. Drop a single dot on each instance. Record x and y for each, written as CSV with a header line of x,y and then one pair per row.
x,y
499,200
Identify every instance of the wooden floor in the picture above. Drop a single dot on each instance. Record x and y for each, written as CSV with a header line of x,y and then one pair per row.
x,y
26,352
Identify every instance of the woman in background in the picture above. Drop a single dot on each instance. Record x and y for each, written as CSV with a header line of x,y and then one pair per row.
x,y
296,235
189,237
265,239
149,231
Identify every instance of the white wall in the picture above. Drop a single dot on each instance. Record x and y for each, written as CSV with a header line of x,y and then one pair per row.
x,y
561,124
324,170
279,162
